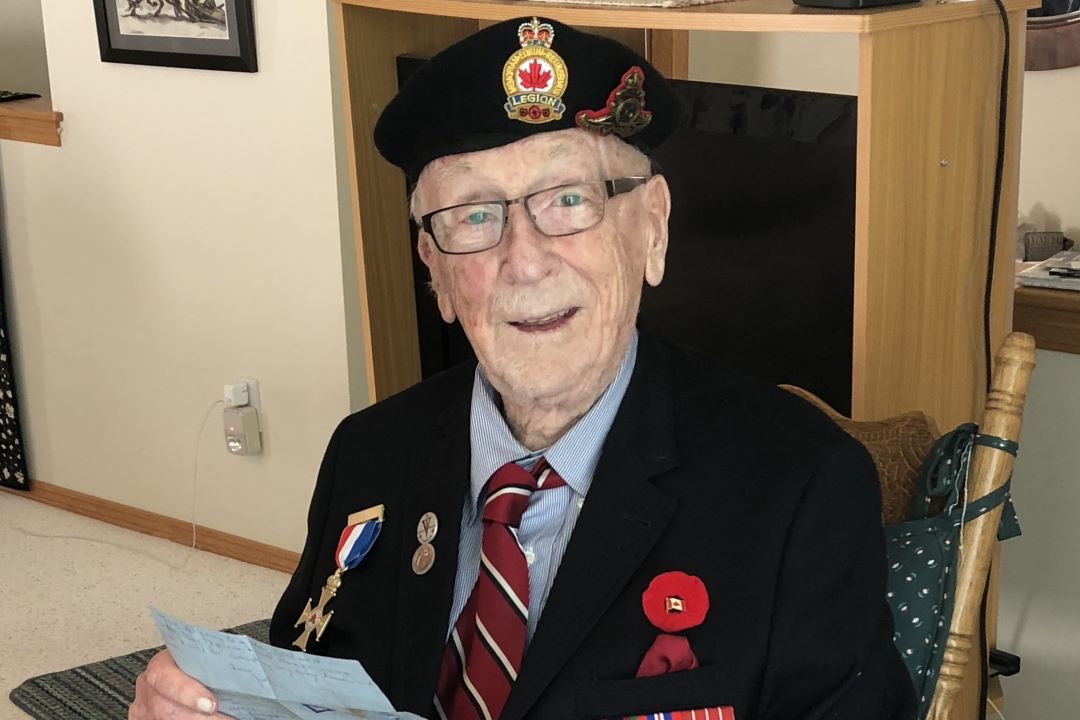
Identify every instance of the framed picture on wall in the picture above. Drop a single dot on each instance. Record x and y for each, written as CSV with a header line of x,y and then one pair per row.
x,y
204,34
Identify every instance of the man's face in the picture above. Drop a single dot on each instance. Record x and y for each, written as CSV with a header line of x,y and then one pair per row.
x,y
549,318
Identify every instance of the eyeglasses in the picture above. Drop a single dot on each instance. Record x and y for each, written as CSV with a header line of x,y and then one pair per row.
x,y
555,212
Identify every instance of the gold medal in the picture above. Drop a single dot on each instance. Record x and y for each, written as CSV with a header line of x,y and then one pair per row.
x,y
356,540
313,619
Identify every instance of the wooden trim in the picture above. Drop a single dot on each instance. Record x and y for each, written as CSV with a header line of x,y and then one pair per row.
x,y
669,52
354,194
31,121
162,526
1052,317
742,15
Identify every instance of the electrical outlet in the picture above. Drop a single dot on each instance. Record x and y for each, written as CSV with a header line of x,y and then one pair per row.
x,y
254,398
243,435
243,408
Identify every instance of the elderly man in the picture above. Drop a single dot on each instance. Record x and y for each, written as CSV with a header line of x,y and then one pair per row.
x,y
586,523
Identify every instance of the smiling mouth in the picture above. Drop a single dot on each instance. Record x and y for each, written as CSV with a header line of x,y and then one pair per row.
x,y
547,323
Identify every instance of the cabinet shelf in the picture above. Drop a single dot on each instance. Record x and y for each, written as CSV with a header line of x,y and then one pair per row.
x,y
740,15
32,120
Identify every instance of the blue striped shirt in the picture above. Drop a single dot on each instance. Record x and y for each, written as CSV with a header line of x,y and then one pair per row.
x,y
550,518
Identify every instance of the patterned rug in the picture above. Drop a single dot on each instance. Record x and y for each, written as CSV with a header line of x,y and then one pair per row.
x,y
101,690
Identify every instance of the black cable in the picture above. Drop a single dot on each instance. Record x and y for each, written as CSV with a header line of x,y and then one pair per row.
x,y
984,680
999,170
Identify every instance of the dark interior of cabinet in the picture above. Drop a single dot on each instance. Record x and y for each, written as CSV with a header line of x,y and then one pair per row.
x,y
760,264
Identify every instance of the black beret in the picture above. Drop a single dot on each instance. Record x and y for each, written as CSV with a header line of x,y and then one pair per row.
x,y
519,78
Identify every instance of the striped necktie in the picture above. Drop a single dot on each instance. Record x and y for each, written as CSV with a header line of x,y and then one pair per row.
x,y
484,652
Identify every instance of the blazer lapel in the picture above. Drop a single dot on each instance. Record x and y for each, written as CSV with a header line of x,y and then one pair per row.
x,y
623,517
424,601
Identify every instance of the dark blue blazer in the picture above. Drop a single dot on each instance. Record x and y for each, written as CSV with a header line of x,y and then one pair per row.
x,y
704,470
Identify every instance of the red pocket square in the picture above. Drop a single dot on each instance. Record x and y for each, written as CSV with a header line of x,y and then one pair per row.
x,y
725,712
667,654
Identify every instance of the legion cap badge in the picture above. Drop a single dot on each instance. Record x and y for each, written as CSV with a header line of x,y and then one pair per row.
x,y
535,77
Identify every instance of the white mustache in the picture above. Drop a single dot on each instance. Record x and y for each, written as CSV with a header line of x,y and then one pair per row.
x,y
536,302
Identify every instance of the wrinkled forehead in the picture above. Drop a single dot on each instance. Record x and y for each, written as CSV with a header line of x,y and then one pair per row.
x,y
518,168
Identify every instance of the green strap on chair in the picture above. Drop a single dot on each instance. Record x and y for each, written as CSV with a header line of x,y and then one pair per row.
x,y
948,460
922,552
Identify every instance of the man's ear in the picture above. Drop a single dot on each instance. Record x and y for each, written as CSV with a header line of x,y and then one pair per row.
x,y
435,262
658,208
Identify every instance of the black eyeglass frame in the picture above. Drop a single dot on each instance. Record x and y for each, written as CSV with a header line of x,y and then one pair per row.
x,y
613,186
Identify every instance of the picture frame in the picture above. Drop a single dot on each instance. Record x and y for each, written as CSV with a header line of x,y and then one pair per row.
x,y
201,34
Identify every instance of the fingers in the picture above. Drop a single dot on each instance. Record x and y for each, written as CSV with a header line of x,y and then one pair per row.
x,y
163,691
166,679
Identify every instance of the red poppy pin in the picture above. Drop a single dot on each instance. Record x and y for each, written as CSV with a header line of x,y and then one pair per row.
x,y
675,601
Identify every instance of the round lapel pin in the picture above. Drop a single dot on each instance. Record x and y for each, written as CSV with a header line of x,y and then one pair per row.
x,y
423,558
427,528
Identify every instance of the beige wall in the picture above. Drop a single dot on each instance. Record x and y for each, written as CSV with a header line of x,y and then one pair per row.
x,y
821,62
1050,156
185,235
22,47
1040,594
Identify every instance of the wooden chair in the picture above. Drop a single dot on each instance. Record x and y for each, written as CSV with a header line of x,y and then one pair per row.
x,y
899,445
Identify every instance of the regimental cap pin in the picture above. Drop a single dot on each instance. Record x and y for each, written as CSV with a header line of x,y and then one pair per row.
x,y
356,540
624,114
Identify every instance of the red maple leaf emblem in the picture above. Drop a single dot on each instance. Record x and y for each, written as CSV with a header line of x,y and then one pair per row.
x,y
534,77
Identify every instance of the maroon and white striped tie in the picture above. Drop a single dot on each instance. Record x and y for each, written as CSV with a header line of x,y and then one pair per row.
x,y
483,654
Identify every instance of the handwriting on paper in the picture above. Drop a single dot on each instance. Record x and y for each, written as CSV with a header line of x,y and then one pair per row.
x,y
256,681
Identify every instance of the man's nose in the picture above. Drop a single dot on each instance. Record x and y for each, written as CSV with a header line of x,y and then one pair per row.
x,y
528,252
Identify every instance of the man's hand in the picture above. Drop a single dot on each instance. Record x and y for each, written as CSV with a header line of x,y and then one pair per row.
x,y
164,692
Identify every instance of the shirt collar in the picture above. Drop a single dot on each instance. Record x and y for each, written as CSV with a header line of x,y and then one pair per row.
x,y
574,456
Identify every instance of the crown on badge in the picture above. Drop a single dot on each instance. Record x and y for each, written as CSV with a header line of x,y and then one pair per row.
x,y
536,33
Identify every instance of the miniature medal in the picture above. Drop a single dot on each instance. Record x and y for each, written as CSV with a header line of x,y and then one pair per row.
x,y
423,558
427,528
356,540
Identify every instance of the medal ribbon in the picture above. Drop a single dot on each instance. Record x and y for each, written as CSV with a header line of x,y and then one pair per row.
x,y
356,540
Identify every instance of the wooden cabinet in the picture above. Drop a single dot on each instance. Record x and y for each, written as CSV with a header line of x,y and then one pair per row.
x,y
928,89
927,129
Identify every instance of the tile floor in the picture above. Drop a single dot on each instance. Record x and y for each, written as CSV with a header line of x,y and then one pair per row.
x,y
65,601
